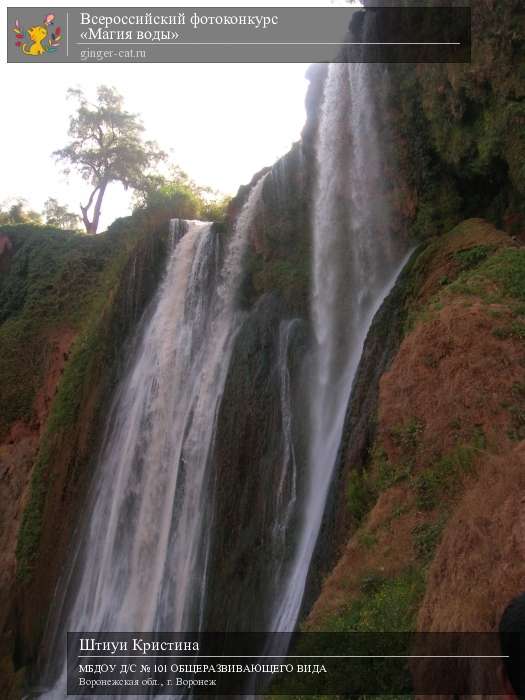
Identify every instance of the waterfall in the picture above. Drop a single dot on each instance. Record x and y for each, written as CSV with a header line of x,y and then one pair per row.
x,y
146,543
286,492
356,260
141,562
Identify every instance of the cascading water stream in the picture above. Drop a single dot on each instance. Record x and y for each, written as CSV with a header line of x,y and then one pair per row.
x,y
286,491
143,556
356,262
141,563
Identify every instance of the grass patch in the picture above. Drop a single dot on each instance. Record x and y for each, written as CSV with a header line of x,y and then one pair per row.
x,y
398,511
507,268
31,526
360,495
494,275
443,478
390,474
364,486
515,330
426,537
408,436
498,278
384,604
367,540
472,257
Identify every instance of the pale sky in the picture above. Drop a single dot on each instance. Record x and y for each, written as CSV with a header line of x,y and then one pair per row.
x,y
220,122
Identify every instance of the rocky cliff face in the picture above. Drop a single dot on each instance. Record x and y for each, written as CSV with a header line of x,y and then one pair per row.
x,y
68,304
251,457
402,471
440,494
459,141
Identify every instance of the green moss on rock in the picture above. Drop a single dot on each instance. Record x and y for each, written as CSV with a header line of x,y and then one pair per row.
x,y
96,286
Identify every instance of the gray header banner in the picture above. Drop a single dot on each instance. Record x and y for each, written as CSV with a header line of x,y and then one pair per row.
x,y
244,35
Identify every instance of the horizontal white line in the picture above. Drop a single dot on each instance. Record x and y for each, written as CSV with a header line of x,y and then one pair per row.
x,y
268,43
284,656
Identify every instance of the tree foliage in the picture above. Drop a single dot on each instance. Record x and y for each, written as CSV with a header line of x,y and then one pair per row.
x,y
106,146
178,196
58,215
18,212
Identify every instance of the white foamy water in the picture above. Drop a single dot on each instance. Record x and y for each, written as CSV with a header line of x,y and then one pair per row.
x,y
356,261
141,564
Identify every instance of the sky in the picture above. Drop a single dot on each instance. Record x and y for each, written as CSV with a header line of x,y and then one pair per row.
x,y
220,122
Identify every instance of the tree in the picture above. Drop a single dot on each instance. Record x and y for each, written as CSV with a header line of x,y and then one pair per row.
x,y
178,196
174,196
58,215
17,212
216,209
106,146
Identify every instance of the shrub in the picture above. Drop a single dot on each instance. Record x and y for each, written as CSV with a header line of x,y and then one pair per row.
x,y
472,257
426,538
360,495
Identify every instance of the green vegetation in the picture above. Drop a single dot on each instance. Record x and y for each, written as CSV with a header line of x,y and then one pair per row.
x,y
59,215
365,485
32,521
498,279
282,275
178,196
367,539
463,128
472,257
17,212
496,275
439,209
431,485
384,605
284,269
427,537
507,268
442,479
386,473
360,495
64,282
493,273
106,146
55,281
514,330
53,274
408,436
87,350
501,279
89,354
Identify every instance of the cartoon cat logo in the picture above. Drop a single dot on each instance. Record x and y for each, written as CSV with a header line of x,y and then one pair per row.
x,y
37,35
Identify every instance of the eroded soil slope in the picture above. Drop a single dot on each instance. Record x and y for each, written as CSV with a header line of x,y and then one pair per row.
x,y
437,542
